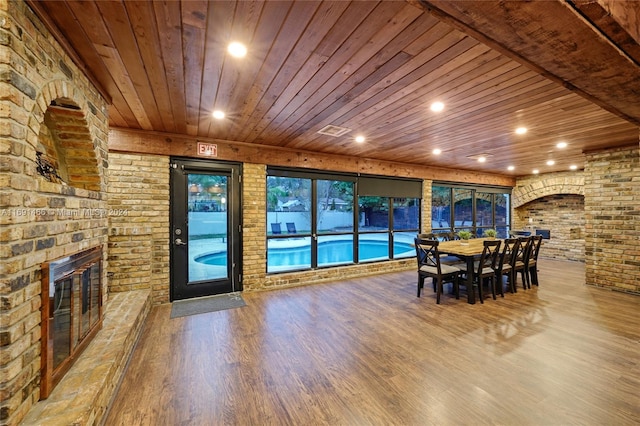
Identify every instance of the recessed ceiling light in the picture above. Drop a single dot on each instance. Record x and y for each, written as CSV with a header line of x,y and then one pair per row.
x,y
482,159
437,106
536,171
561,145
218,115
521,130
511,168
437,151
550,163
359,138
573,167
237,50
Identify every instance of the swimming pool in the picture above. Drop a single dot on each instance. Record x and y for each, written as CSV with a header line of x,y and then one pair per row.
x,y
329,253
216,259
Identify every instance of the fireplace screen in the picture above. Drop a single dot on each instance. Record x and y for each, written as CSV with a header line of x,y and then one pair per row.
x,y
62,321
71,312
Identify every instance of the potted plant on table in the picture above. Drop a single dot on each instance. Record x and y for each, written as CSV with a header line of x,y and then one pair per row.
x,y
464,236
490,233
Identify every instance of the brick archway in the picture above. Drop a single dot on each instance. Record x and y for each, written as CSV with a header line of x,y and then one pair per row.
x,y
527,190
61,135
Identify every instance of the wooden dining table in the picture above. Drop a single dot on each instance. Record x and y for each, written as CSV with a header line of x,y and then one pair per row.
x,y
468,251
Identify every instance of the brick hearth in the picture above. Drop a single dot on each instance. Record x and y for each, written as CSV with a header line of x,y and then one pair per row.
x,y
83,395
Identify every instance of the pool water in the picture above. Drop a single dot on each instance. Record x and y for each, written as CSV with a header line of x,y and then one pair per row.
x,y
329,252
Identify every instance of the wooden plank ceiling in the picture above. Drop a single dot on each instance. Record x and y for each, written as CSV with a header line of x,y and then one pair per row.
x,y
567,71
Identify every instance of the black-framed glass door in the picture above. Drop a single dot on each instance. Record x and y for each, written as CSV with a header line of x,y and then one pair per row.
x,y
205,244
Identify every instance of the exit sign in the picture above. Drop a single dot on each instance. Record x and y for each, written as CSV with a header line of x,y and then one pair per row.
x,y
207,149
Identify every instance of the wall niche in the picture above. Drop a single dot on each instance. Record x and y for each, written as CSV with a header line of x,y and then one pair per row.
x,y
66,153
563,215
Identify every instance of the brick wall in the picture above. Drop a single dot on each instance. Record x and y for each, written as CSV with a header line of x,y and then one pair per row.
x,y
612,213
41,218
608,224
427,191
254,225
139,224
563,215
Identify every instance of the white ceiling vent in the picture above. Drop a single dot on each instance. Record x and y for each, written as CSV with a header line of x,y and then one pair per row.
x,y
477,157
334,131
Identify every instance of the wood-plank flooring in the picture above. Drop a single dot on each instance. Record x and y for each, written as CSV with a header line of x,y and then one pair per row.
x,y
368,352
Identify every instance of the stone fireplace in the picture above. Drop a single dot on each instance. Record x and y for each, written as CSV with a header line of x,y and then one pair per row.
x,y
53,197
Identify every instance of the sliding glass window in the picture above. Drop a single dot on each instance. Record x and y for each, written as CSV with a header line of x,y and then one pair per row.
x,y
387,227
373,241
406,224
484,212
334,222
288,223
462,209
441,209
317,220
457,207
502,210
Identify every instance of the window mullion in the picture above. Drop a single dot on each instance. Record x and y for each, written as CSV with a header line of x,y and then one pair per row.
x,y
314,225
391,227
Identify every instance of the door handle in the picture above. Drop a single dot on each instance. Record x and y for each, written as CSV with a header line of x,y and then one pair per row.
x,y
179,242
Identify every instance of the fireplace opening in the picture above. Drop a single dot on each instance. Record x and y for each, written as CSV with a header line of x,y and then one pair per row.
x,y
71,312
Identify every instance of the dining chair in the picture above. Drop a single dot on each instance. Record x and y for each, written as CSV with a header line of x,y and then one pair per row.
x,y
427,236
504,264
532,264
430,266
444,257
483,269
444,236
521,261
449,236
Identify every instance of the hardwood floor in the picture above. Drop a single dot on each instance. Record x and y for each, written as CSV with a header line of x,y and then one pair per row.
x,y
368,352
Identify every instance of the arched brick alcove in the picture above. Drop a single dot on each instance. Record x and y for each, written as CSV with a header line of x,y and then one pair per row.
x,y
65,151
553,202
69,134
531,188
